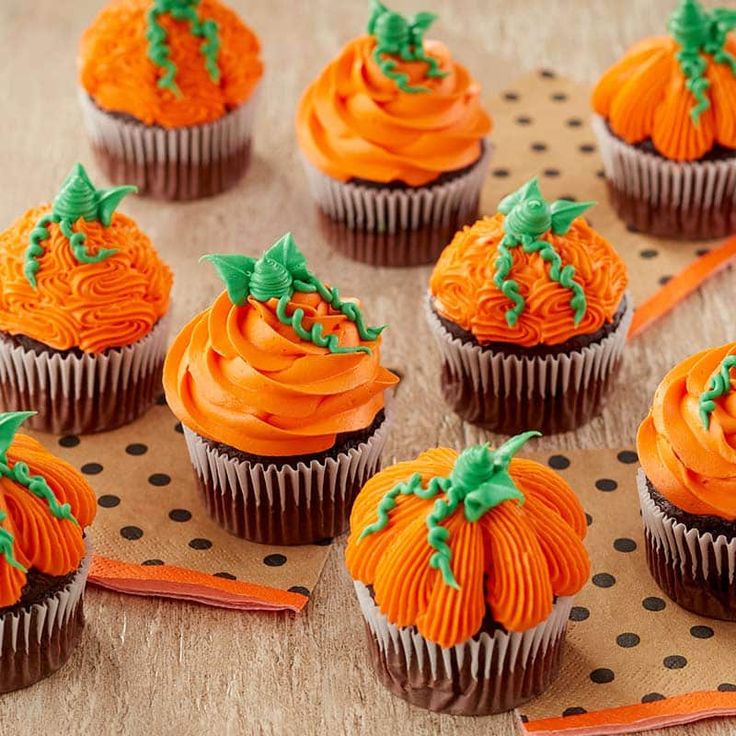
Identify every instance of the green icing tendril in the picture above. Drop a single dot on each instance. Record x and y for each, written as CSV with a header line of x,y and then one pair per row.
x,y
160,53
278,274
528,217
479,481
397,35
698,31
719,386
77,198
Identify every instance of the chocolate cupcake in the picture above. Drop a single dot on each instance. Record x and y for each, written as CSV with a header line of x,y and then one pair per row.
x,y
45,552
530,312
664,118
281,394
168,94
395,143
687,483
83,304
465,567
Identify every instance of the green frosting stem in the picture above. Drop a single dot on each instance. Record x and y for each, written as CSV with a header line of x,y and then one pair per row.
x,y
720,385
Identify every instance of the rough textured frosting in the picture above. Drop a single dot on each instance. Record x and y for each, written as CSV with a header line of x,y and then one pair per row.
x,y
689,463
355,122
514,542
117,72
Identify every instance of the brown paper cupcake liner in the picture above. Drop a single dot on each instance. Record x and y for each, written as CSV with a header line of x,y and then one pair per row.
x,y
691,200
80,394
172,164
509,394
36,641
490,673
283,505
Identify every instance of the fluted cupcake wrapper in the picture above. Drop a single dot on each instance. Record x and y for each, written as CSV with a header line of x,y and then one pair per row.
x,y
171,163
489,673
79,394
676,199
36,641
283,505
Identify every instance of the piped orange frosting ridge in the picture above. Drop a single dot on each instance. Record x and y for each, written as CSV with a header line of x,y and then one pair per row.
x,y
692,466
116,71
354,122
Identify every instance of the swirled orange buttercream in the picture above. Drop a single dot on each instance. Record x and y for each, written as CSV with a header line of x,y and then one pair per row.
x,y
515,559
691,466
353,121
464,291
95,306
117,73
237,375
644,96
40,540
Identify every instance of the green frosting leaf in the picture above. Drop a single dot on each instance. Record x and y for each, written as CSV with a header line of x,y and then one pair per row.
x,y
10,423
235,271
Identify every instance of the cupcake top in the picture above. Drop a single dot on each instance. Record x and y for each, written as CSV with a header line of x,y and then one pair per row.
x,y
446,536
392,107
687,444
679,91
77,274
45,505
279,365
534,273
170,63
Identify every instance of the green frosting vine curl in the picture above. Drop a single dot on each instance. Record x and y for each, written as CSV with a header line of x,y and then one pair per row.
x,y
278,274
479,481
720,385
397,35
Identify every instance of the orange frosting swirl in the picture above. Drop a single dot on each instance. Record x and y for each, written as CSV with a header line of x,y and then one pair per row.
x,y
96,306
515,559
41,541
464,291
691,466
237,375
644,96
353,121
117,73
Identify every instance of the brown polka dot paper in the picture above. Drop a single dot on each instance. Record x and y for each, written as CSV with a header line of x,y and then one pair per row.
x,y
153,536
634,659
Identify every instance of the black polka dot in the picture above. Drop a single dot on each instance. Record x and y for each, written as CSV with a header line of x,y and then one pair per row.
x,y
652,697
275,560
727,687
574,123
700,252
523,718
627,457
159,479
500,173
600,174
547,74
510,96
588,518
653,603
604,580
225,575
575,710
299,589
108,501
606,484
579,613
602,675
648,253
551,173
701,632
569,197
523,120
161,400
152,563
624,544
538,147
326,542
632,228
558,462
558,97
91,468
200,543
664,280
586,148
178,428
628,640
131,532
180,515
674,662
69,440
137,448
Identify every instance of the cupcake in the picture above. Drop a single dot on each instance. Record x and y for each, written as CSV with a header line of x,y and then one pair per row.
x,y
687,483
167,89
394,142
83,304
664,118
280,391
530,312
45,507
465,567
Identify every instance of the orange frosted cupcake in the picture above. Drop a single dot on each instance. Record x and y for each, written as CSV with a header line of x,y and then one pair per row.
x,y
280,391
530,311
394,140
665,117
45,508
687,483
83,304
465,567
168,95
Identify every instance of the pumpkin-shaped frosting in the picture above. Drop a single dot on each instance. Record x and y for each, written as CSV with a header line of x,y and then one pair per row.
x,y
171,63
45,505
392,107
687,444
444,537
534,273
280,365
677,90
77,274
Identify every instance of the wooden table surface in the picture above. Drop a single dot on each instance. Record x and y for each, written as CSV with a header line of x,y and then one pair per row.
x,y
160,667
